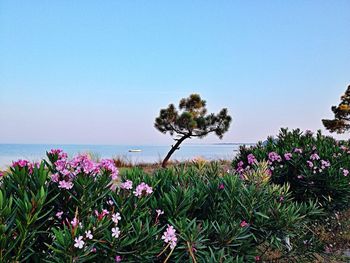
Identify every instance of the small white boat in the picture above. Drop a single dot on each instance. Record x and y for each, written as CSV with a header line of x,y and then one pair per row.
x,y
135,150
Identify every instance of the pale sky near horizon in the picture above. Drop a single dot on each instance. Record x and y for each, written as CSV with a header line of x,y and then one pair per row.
x,y
98,72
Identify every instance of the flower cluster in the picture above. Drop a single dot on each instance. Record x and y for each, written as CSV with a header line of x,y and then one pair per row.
x,y
79,241
317,164
169,236
67,170
288,156
25,164
57,154
127,185
314,157
109,166
143,189
274,157
251,159
240,167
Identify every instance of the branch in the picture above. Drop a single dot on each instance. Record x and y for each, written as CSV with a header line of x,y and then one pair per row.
x,y
176,130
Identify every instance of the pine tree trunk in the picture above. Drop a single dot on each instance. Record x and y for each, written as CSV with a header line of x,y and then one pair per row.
x,y
173,149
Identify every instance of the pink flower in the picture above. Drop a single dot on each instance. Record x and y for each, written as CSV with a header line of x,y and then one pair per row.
x,y
257,258
298,150
21,163
60,154
325,164
114,176
55,177
310,164
240,168
118,258
273,156
59,214
109,165
65,185
101,215
221,186
314,157
126,185
1,174
288,156
169,236
79,243
60,164
244,224
83,163
75,222
345,172
143,189
116,217
115,232
251,159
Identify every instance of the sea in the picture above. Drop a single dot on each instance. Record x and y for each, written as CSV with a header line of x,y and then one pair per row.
x,y
149,154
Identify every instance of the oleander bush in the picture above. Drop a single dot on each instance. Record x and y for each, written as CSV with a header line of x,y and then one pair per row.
x,y
80,210
316,167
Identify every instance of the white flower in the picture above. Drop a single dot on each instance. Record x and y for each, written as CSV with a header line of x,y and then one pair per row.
x,y
116,217
159,212
88,234
287,240
115,232
79,243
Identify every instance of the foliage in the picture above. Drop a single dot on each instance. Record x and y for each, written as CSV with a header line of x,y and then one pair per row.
x,y
315,167
341,121
82,211
191,121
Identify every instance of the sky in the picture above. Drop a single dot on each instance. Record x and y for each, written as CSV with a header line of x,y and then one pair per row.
x,y
98,72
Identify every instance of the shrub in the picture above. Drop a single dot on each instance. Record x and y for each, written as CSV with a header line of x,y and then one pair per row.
x,y
315,167
80,210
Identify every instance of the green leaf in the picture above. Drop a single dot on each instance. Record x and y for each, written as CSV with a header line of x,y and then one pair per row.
x,y
1,199
262,215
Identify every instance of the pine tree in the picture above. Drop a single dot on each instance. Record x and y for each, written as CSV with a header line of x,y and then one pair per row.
x,y
341,121
190,121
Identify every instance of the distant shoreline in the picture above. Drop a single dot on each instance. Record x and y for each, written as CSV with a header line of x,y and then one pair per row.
x,y
234,143
148,154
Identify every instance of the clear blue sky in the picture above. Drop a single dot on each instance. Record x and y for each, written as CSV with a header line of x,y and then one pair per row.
x,y
97,72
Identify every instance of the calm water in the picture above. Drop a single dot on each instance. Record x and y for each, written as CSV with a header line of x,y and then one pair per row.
x,y
35,152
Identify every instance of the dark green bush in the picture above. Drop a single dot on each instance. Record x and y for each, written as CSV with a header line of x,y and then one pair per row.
x,y
66,211
315,166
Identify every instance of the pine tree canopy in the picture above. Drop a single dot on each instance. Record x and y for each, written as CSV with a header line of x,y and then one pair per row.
x,y
190,120
341,121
